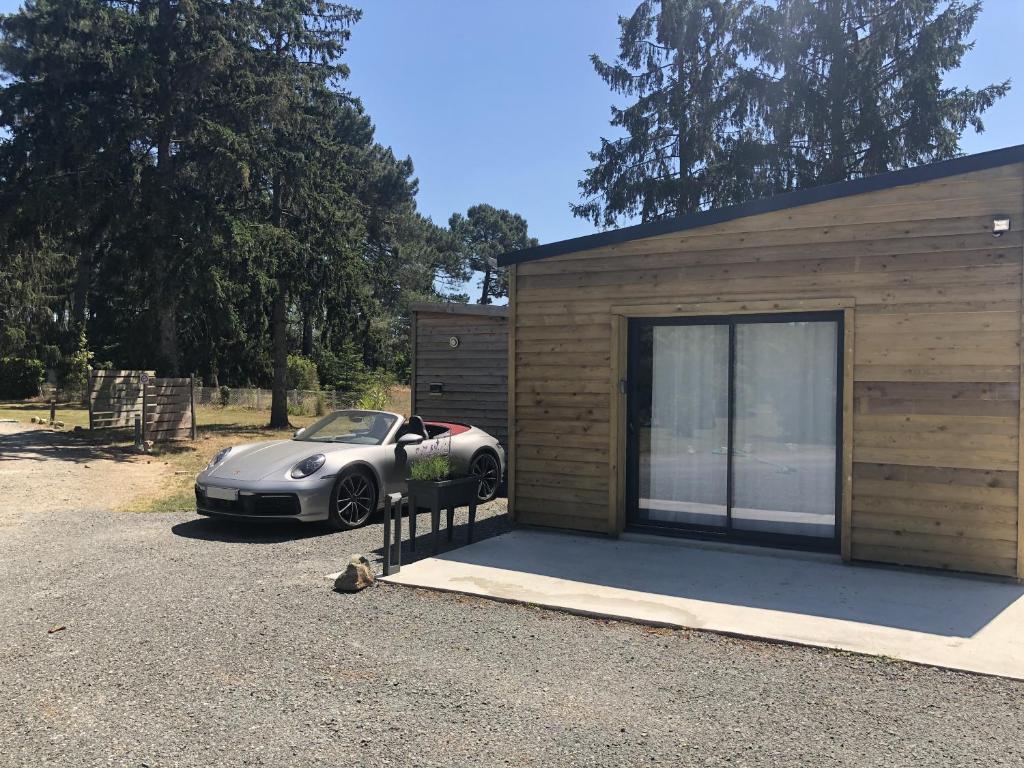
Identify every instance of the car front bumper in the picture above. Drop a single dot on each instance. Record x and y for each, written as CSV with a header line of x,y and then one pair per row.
x,y
305,501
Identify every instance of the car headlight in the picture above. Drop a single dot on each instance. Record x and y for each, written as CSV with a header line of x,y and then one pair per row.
x,y
307,467
218,458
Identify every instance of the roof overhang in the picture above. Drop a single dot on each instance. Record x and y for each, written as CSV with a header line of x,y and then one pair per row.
x,y
916,175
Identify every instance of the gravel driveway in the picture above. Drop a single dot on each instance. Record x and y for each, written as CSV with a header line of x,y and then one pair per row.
x,y
193,643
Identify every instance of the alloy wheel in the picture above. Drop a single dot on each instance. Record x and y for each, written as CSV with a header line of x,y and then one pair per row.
x,y
355,500
485,467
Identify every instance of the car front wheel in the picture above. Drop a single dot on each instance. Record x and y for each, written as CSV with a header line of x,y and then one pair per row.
x,y
485,466
353,501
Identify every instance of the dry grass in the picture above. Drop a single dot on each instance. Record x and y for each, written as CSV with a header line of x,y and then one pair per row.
x,y
72,414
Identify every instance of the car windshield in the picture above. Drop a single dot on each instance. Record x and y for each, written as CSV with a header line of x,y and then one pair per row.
x,y
358,427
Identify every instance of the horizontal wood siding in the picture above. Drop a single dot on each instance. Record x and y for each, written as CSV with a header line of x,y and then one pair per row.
x,y
936,360
474,374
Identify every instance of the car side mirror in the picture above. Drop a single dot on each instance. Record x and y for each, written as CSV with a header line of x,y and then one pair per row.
x,y
409,439
299,431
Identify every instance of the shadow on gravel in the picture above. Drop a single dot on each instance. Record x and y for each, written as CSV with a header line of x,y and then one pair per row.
x,y
483,529
44,445
249,532
280,531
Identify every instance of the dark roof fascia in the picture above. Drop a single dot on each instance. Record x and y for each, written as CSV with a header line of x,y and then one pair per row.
x,y
835,191
452,308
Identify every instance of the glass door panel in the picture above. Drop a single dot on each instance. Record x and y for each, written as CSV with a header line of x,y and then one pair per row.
x,y
733,426
681,424
784,430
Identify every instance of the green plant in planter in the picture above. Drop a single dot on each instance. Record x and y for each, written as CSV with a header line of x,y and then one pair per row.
x,y
431,469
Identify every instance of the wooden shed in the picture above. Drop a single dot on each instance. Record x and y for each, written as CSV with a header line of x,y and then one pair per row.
x,y
460,365
836,368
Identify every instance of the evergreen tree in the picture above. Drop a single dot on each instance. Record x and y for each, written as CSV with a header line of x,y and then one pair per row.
x,y
854,87
736,99
483,234
688,144
187,180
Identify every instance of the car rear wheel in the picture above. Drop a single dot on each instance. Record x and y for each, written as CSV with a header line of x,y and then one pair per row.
x,y
486,467
353,501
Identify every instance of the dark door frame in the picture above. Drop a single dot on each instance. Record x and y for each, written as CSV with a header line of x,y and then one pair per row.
x,y
635,324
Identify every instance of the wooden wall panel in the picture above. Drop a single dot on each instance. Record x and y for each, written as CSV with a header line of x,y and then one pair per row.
x,y
936,337
474,374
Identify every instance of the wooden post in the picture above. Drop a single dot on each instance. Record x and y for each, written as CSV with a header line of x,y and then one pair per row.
x,y
192,404
88,396
145,408
510,466
1020,441
53,411
413,319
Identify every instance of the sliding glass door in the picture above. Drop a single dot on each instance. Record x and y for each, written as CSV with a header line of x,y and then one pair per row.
x,y
734,426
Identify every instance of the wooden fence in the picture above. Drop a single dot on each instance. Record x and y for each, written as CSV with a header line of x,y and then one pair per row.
x,y
165,407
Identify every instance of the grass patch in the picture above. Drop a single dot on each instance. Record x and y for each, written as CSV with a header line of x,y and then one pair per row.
x,y
72,414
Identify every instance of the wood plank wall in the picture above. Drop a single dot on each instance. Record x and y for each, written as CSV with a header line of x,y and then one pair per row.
x,y
170,413
474,374
116,398
937,357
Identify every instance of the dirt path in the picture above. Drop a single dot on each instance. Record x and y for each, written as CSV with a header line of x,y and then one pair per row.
x,y
43,471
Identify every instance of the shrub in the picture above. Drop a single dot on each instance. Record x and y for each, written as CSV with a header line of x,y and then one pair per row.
x,y
225,396
376,394
432,468
342,370
20,377
79,364
302,373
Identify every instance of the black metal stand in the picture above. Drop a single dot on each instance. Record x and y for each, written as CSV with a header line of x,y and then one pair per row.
x,y
393,516
435,524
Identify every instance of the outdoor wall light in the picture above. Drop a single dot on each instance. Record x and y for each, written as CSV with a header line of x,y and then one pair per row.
x,y
1000,224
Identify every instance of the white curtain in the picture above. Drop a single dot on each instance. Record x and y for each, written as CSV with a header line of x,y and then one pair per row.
x,y
688,425
784,465
784,439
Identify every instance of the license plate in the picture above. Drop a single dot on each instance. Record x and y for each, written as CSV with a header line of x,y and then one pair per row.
x,y
227,494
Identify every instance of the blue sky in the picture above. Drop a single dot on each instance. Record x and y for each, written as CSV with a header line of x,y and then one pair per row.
x,y
497,102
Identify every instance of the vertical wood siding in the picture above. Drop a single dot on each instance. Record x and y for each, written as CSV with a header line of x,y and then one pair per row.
x,y
937,356
474,374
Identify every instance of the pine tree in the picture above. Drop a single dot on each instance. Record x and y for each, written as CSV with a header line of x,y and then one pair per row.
x,y
855,87
483,234
687,142
737,99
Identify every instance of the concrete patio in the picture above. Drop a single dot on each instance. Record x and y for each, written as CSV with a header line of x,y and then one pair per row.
x,y
958,622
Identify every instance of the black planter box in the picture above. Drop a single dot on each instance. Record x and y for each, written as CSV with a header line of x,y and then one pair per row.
x,y
443,494
438,495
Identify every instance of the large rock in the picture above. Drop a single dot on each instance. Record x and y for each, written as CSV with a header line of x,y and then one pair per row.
x,y
357,575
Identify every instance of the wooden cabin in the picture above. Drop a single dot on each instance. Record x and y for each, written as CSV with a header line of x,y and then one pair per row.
x,y
460,365
837,368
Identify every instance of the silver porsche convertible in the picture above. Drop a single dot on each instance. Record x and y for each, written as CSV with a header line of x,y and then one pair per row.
x,y
340,468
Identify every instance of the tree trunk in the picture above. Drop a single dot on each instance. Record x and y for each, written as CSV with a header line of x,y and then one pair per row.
x,y
279,325
167,322
485,285
307,333
279,346
838,80
164,286
80,296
